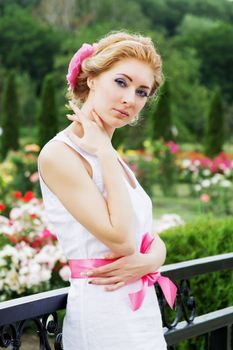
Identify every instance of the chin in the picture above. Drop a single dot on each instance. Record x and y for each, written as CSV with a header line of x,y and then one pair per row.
x,y
118,123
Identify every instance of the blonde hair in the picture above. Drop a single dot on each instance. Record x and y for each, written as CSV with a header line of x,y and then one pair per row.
x,y
112,48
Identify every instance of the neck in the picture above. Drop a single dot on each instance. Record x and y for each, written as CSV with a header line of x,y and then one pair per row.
x,y
87,107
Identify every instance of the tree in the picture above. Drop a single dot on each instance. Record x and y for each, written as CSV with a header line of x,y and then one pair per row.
x,y
47,119
213,43
26,44
160,115
216,51
214,136
190,99
10,119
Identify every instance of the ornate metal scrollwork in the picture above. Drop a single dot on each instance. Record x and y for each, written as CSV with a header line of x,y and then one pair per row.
x,y
58,342
185,307
10,335
7,333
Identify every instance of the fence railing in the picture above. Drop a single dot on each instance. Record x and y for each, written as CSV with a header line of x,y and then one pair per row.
x,y
41,309
216,326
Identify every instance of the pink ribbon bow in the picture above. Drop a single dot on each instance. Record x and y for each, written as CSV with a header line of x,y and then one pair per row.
x,y
85,51
77,266
169,289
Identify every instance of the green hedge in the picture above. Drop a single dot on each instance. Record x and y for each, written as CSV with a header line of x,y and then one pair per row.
x,y
205,237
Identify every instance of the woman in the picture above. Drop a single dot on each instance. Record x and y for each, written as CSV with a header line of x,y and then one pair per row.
x,y
103,217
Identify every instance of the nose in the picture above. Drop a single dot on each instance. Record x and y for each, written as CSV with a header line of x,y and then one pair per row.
x,y
128,97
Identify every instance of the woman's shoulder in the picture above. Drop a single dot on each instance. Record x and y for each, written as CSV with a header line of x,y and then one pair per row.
x,y
50,151
58,158
56,152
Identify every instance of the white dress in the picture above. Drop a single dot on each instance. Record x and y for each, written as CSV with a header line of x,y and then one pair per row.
x,y
96,319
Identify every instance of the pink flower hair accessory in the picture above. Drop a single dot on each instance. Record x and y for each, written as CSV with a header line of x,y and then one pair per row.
x,y
85,51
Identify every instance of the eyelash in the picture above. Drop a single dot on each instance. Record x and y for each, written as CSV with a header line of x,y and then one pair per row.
x,y
122,83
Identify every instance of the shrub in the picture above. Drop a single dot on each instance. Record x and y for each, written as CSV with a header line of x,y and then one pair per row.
x,y
31,260
19,172
160,115
214,134
47,119
205,237
10,136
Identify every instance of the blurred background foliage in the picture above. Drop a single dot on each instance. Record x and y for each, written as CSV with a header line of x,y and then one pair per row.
x,y
39,37
193,108
181,150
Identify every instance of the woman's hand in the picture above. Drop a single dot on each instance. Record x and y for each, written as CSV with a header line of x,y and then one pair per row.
x,y
129,268
124,270
95,137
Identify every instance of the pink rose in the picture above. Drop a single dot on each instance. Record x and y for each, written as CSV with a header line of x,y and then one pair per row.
x,y
173,146
205,197
74,69
34,177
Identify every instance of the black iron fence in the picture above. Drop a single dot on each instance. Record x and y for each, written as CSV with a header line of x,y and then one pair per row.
x,y
41,309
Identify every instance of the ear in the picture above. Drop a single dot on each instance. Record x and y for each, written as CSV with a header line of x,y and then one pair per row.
x,y
90,83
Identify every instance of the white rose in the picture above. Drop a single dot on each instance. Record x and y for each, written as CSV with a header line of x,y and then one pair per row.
x,y
186,163
45,275
22,280
33,279
24,270
206,183
197,162
65,273
34,268
197,188
227,172
12,280
15,213
225,183
206,172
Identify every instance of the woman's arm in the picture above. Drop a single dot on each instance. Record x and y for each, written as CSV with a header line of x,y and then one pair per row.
x,y
129,268
110,220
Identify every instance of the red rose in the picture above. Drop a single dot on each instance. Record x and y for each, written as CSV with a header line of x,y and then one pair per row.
x,y
17,194
2,207
29,195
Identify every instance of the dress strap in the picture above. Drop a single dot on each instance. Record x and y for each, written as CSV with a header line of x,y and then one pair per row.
x,y
90,158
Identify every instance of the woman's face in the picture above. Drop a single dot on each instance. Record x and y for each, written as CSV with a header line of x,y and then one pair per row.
x,y
120,93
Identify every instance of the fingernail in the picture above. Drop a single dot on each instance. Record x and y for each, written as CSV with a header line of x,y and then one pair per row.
x,y
85,273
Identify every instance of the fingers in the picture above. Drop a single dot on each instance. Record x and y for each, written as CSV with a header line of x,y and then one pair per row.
x,y
114,286
97,119
112,256
81,118
103,270
73,117
106,281
78,112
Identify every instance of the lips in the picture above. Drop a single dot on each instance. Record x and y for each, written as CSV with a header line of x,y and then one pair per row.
x,y
123,113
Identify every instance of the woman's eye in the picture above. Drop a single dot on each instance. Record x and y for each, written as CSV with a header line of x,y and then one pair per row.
x,y
141,93
121,82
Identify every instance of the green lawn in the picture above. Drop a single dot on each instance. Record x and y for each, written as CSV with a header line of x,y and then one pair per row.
x,y
186,207
182,204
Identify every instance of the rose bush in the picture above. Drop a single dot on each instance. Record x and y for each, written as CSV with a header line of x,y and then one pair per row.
x,y
31,259
156,163
19,170
210,179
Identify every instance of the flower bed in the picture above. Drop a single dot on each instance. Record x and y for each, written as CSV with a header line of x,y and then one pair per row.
x,y
30,258
162,163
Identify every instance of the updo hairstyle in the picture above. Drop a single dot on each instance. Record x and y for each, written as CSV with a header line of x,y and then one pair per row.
x,y
111,49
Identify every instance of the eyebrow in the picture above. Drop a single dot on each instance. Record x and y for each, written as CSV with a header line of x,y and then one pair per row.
x,y
125,75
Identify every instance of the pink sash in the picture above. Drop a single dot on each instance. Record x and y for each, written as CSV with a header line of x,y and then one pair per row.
x,y
169,289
